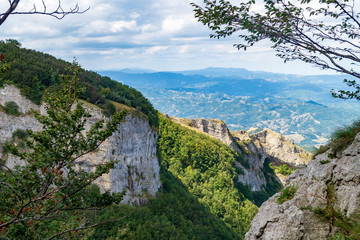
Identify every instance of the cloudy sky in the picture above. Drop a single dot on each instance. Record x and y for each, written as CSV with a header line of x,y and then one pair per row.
x,y
150,34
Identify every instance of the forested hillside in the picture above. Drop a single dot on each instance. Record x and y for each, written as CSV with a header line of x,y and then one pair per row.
x,y
33,72
207,167
199,197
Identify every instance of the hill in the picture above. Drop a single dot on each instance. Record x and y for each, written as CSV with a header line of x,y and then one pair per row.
x,y
33,72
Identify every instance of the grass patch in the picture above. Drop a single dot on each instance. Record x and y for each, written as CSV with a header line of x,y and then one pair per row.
x,y
282,169
286,194
324,161
340,139
343,137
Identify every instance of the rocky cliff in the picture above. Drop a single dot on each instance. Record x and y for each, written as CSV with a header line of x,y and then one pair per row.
x,y
133,145
281,148
255,148
327,193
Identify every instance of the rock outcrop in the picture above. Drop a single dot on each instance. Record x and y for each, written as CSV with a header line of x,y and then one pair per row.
x,y
324,183
255,148
133,145
282,148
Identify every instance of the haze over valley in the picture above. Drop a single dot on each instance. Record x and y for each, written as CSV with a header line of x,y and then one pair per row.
x,y
300,107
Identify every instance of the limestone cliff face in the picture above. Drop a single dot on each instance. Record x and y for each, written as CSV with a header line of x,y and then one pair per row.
x,y
133,145
282,148
255,148
323,176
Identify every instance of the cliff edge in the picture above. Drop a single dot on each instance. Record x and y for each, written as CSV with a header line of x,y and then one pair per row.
x,y
257,149
316,200
133,145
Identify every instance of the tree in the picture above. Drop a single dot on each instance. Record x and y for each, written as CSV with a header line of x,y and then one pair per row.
x,y
46,186
58,12
324,33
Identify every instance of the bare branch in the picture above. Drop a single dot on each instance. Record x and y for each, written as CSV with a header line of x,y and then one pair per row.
x,y
58,13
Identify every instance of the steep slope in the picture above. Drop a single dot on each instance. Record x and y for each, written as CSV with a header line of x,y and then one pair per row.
x,y
281,148
209,169
257,150
133,145
319,201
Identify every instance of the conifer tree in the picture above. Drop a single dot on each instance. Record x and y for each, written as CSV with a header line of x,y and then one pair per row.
x,y
45,189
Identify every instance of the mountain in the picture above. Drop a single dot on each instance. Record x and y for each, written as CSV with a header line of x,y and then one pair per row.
x,y
260,154
299,107
157,159
183,178
190,180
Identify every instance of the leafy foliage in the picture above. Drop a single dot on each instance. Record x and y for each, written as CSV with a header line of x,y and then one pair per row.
x,y
283,169
286,194
348,228
45,182
207,168
173,214
323,36
33,72
11,108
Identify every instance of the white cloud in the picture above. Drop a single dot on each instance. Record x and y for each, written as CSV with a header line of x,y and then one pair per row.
x,y
157,49
113,34
172,24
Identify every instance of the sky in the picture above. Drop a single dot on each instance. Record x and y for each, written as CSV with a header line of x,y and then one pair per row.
x,y
161,35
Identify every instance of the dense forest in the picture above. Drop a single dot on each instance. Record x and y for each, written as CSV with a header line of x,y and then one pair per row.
x,y
33,72
207,167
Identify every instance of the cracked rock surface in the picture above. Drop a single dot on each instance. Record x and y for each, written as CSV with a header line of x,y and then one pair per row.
x,y
133,145
293,220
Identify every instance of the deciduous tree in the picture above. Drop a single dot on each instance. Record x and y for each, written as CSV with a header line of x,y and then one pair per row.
x,y
45,184
324,33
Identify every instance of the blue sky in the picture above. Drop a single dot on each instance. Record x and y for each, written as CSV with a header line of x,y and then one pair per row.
x,y
151,34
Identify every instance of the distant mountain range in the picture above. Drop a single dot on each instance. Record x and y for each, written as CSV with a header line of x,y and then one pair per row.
x,y
300,107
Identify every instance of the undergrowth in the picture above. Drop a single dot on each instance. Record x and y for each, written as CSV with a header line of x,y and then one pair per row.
x,y
282,169
347,228
286,194
341,139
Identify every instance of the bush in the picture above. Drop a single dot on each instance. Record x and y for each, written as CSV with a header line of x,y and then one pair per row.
x,y
340,140
20,134
11,108
283,169
343,137
286,194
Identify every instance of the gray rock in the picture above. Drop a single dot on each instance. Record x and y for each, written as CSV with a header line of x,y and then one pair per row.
x,y
133,145
313,182
256,148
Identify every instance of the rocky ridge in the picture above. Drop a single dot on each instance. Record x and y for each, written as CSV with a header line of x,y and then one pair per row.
x,y
326,183
133,145
255,148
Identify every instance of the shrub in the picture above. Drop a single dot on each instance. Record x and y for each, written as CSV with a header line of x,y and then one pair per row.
x,y
286,194
11,108
348,228
340,139
20,134
343,137
283,169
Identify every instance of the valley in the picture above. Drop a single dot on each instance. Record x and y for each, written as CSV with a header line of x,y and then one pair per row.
x,y
299,107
